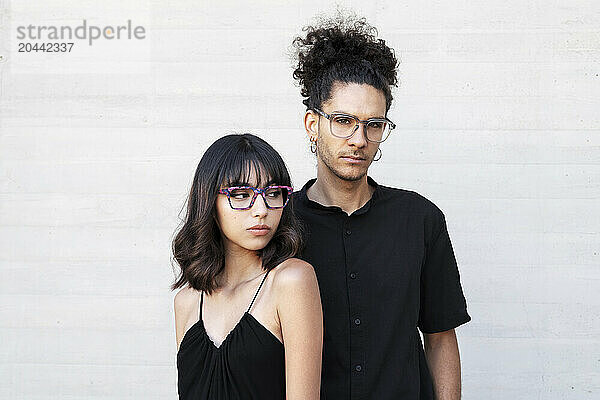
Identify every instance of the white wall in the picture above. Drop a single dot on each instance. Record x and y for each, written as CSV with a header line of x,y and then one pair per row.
x,y
498,124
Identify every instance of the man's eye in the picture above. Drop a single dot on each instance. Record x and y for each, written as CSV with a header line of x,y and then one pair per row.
x,y
343,121
376,125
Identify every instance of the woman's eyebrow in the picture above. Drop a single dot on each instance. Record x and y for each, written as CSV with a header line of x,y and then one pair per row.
x,y
237,183
240,183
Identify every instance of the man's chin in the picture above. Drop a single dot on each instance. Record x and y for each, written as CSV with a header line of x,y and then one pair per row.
x,y
350,176
347,173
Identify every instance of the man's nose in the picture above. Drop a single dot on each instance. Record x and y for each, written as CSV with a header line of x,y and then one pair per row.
x,y
358,139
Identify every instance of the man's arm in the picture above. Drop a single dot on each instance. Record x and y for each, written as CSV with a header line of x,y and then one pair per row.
x,y
443,359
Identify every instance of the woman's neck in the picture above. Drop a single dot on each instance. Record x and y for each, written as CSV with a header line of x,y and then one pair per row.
x,y
241,266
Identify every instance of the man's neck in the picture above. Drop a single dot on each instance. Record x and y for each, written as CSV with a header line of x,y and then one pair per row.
x,y
330,190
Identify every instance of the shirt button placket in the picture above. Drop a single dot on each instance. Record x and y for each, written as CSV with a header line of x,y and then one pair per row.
x,y
356,340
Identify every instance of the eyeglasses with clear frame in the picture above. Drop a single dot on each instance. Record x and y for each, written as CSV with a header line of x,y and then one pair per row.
x,y
344,126
243,197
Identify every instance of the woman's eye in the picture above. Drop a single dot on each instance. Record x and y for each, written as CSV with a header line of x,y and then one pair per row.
x,y
274,193
239,194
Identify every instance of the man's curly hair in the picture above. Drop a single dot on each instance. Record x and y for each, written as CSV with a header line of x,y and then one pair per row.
x,y
342,49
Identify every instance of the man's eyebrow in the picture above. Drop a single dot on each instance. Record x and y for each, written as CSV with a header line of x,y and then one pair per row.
x,y
342,112
352,115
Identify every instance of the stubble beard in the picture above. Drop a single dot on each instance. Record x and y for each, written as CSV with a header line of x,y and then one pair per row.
x,y
329,161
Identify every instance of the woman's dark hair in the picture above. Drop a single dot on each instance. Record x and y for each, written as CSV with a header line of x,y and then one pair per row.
x,y
198,245
342,49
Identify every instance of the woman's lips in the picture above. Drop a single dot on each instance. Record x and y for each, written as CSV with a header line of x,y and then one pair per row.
x,y
260,230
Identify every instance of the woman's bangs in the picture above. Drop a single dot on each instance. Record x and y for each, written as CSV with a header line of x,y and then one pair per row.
x,y
248,168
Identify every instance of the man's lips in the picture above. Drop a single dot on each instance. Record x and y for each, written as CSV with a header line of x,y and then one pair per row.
x,y
353,159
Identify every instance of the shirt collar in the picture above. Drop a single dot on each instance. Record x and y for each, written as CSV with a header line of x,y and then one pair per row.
x,y
317,206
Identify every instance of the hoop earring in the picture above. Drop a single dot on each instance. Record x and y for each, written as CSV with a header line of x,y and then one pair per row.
x,y
313,146
380,154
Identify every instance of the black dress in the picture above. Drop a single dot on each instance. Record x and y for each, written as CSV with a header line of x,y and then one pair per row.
x,y
249,363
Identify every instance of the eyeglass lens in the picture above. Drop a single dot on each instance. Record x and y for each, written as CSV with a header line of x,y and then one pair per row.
x,y
344,126
242,198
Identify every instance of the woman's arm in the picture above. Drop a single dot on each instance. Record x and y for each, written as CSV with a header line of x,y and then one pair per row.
x,y
301,318
185,303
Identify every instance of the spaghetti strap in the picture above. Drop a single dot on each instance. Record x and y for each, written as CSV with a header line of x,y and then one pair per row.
x,y
258,290
200,305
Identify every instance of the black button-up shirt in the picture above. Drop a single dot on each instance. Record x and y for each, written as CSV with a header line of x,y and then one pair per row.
x,y
383,271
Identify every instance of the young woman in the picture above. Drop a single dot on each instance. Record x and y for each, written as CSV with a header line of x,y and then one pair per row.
x,y
248,316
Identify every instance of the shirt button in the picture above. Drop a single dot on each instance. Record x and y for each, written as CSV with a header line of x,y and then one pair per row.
x,y
352,275
358,368
357,321
348,232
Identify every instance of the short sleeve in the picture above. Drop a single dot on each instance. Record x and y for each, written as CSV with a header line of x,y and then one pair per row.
x,y
443,305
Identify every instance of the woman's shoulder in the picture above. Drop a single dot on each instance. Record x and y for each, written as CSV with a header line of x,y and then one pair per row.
x,y
186,300
296,294
293,273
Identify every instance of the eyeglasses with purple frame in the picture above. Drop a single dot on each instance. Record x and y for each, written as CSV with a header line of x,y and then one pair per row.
x,y
257,191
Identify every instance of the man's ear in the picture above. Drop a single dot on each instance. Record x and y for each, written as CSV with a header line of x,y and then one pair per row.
x,y
311,125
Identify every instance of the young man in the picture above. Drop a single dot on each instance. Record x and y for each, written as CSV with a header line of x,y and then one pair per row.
x,y
383,257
